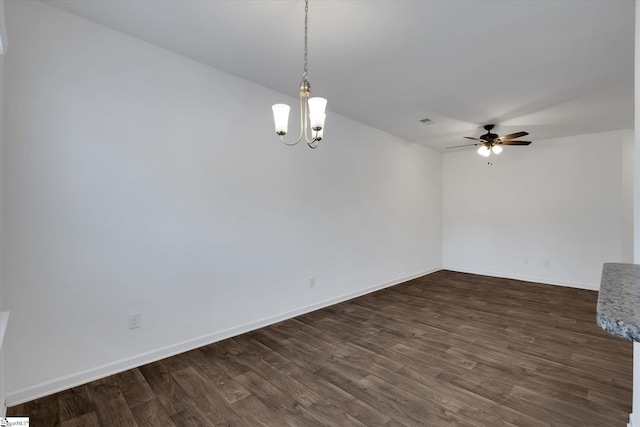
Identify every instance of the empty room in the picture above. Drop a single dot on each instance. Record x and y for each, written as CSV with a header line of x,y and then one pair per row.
x,y
319,213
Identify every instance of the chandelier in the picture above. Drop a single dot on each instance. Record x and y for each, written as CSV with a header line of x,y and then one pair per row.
x,y
312,110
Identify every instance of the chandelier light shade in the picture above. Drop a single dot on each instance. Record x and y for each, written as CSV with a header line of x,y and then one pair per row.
x,y
317,107
496,149
281,117
312,110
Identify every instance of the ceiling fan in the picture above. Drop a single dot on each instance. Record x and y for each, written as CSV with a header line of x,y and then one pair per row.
x,y
492,142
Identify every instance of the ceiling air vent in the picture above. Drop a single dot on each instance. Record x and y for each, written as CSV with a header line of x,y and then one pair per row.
x,y
426,121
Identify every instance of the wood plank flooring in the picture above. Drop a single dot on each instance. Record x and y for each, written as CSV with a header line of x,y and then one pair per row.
x,y
447,349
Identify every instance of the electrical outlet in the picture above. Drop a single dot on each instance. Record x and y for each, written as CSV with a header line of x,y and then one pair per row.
x,y
134,320
312,282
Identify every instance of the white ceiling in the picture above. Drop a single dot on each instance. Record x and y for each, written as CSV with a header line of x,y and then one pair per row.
x,y
552,68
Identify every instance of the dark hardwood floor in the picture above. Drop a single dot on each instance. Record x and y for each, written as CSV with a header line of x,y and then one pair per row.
x,y
447,349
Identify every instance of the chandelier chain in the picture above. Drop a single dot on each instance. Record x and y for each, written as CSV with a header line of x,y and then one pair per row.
x,y
306,31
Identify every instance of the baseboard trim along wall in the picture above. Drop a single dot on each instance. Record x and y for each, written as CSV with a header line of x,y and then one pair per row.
x,y
63,383
4,321
523,278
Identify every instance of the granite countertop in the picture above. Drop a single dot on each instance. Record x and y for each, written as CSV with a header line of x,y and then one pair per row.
x,y
619,300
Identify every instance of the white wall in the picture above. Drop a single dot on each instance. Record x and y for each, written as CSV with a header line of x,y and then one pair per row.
x,y
3,49
636,146
634,418
136,180
3,46
560,201
628,244
2,300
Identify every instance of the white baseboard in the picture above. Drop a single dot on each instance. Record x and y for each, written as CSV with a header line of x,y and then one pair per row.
x,y
524,278
46,388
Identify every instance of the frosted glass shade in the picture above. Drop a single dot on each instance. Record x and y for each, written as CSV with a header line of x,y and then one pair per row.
x,y
484,151
281,118
317,107
496,149
318,123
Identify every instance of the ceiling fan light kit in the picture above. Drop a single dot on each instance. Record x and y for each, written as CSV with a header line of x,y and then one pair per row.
x,y
312,110
493,142
484,151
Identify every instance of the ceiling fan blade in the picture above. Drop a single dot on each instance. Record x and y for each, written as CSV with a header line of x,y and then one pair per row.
x,y
512,136
515,143
466,145
475,139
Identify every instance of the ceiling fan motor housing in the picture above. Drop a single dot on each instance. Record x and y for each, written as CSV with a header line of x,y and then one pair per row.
x,y
489,137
